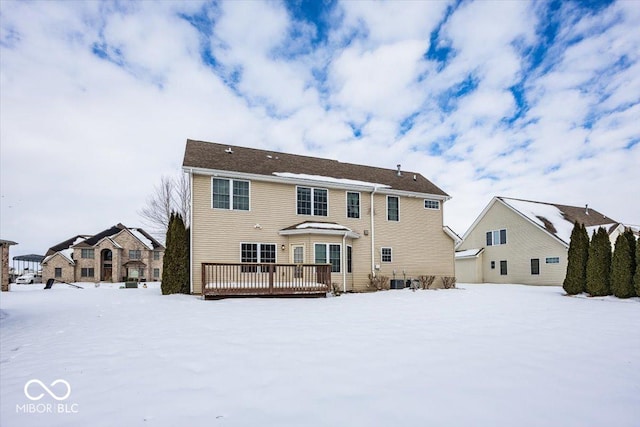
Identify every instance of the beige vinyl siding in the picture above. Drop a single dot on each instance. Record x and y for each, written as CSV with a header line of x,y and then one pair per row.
x,y
419,244
469,270
524,242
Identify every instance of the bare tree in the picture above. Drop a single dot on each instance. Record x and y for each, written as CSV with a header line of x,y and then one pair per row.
x,y
172,195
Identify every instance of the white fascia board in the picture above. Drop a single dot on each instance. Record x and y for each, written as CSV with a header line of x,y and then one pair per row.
x,y
313,183
302,231
475,223
535,224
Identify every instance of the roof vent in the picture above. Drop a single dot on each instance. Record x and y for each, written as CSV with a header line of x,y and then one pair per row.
x,y
399,173
415,178
586,209
228,151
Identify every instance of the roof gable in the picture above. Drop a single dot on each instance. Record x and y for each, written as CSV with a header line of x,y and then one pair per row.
x,y
556,220
220,157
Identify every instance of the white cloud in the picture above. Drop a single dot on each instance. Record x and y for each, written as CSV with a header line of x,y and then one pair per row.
x,y
84,139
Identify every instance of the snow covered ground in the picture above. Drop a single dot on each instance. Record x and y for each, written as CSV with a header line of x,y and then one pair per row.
x,y
483,355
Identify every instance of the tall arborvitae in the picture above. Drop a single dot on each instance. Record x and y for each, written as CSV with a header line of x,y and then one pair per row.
x,y
169,261
181,243
633,246
622,269
636,277
599,264
575,279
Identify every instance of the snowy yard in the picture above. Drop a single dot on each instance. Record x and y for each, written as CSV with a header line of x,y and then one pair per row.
x,y
483,355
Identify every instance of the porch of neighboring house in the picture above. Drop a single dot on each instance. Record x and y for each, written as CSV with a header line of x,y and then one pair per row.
x,y
223,280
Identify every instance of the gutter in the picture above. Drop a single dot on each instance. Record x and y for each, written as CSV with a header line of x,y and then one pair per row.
x,y
344,268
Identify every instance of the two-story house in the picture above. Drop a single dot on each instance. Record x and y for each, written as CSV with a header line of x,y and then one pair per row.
x,y
260,206
118,253
523,241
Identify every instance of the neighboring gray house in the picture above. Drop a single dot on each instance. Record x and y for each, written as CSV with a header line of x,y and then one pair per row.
x,y
522,241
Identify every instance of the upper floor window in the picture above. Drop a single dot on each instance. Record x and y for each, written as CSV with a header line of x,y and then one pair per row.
x,y
497,237
353,204
312,201
552,260
393,208
230,194
135,254
156,255
431,204
86,253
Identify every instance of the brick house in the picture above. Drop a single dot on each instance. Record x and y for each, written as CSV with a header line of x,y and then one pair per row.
x,y
116,254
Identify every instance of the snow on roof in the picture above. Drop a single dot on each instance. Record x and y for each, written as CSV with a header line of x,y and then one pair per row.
x,y
468,253
145,240
594,228
326,225
66,253
549,217
329,179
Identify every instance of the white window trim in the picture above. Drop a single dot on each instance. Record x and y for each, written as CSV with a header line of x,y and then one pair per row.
x,y
387,210
346,197
231,181
328,253
546,260
492,240
432,200
313,189
382,255
258,253
346,259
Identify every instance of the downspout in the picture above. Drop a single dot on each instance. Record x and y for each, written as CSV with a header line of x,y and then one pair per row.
x,y
191,231
345,260
373,236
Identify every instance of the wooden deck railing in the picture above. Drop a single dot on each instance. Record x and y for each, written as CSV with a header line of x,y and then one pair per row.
x,y
260,279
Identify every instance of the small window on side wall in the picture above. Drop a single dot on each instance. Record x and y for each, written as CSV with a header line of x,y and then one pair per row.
x,y
535,266
386,255
493,265
503,268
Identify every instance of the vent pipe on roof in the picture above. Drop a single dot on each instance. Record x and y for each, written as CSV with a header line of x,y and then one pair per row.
x,y
586,209
399,173
228,151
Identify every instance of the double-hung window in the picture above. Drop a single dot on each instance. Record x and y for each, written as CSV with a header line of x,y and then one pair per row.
x,y
135,254
332,253
386,255
312,201
393,208
230,194
353,204
497,237
86,253
256,253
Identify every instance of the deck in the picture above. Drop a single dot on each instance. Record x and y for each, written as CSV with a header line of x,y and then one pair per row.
x,y
224,280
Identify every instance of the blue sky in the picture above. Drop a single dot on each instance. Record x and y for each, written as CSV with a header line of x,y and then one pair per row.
x,y
536,100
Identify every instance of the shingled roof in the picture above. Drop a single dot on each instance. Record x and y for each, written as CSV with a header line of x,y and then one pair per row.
x,y
558,219
221,157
